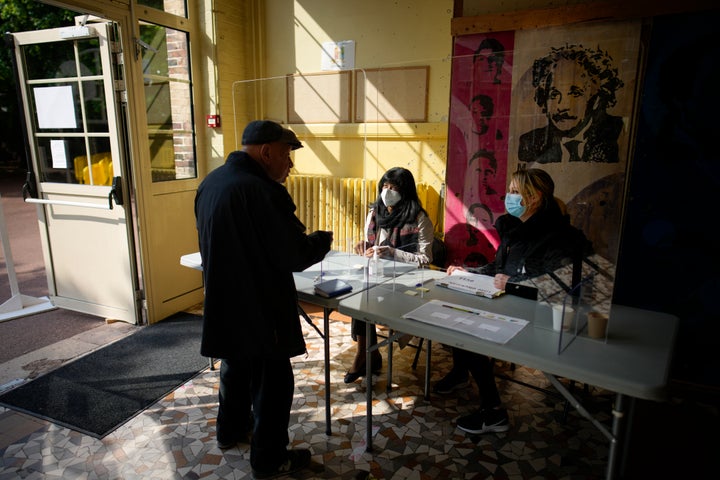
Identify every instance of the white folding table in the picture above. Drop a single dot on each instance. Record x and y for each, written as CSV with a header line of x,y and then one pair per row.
x,y
634,361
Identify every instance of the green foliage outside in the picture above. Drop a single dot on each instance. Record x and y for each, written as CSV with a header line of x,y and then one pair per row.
x,y
20,16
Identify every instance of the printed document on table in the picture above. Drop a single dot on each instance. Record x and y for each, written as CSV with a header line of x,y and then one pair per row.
x,y
474,283
479,323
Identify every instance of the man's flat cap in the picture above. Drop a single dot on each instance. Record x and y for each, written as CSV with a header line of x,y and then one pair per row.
x,y
259,132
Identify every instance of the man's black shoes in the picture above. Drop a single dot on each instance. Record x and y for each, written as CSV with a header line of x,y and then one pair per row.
x,y
297,460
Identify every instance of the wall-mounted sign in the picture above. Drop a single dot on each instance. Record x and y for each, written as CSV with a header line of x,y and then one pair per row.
x,y
338,55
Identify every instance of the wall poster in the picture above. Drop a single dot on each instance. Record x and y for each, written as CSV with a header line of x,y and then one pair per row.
x,y
558,98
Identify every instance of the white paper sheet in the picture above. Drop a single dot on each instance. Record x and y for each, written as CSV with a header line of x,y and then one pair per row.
x,y
55,107
479,323
474,283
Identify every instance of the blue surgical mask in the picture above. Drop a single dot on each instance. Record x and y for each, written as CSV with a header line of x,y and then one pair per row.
x,y
513,204
390,197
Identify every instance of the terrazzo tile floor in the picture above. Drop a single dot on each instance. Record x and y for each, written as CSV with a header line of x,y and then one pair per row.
x,y
413,438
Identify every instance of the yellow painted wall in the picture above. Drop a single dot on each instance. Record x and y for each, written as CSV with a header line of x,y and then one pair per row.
x,y
237,26
386,35
259,43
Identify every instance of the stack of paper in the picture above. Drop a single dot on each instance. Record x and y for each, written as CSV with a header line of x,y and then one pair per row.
x,y
474,283
332,288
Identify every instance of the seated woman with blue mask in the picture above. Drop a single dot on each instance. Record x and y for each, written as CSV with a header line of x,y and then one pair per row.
x,y
535,238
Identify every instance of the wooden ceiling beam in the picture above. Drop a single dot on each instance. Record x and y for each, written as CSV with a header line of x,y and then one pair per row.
x,y
578,13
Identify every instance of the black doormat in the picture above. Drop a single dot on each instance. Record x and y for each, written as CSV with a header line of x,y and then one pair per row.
x,y
97,393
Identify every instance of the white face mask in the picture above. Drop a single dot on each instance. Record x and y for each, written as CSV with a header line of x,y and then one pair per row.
x,y
390,197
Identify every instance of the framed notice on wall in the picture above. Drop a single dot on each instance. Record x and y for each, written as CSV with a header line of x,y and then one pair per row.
x,y
319,97
391,94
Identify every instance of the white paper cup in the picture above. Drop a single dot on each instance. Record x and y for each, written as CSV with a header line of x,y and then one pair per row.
x,y
558,321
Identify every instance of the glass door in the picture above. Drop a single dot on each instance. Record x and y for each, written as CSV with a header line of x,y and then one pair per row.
x,y
72,88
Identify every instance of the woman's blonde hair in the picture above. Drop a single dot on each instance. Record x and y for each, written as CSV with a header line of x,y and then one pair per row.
x,y
533,181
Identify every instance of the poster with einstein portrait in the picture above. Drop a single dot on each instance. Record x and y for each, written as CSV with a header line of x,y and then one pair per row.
x,y
573,99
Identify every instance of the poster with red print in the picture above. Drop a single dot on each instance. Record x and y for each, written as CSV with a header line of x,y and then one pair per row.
x,y
478,145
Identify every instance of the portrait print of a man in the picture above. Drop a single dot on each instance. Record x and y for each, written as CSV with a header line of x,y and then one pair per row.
x,y
574,87
481,182
488,61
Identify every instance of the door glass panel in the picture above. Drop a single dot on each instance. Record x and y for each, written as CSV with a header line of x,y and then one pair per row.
x,y
95,112
65,160
101,172
50,60
176,7
89,57
168,97
68,108
61,159
58,59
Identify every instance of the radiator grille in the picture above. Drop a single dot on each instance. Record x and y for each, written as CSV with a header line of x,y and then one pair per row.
x,y
332,203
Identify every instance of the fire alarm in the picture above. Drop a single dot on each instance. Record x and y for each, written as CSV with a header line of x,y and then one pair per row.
x,y
213,121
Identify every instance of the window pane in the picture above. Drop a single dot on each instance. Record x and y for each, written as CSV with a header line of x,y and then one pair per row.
x,y
65,160
168,98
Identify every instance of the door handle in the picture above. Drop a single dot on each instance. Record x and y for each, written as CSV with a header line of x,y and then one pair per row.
x,y
29,194
29,188
116,192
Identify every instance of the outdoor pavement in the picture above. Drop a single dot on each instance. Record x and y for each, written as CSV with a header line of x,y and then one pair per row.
x,y
35,344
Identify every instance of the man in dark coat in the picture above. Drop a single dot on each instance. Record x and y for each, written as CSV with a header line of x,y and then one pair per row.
x,y
250,243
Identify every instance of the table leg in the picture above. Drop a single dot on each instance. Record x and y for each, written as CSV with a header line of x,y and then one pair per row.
x,y
390,342
326,330
428,354
618,425
368,390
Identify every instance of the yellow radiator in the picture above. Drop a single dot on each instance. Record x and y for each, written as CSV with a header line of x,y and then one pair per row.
x,y
332,203
341,205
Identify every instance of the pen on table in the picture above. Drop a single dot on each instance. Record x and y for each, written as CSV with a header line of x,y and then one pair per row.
x,y
319,277
460,309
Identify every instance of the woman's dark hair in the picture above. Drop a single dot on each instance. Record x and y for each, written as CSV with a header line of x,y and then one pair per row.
x,y
409,205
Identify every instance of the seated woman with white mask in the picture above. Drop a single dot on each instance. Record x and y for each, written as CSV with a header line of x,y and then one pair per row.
x,y
397,227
